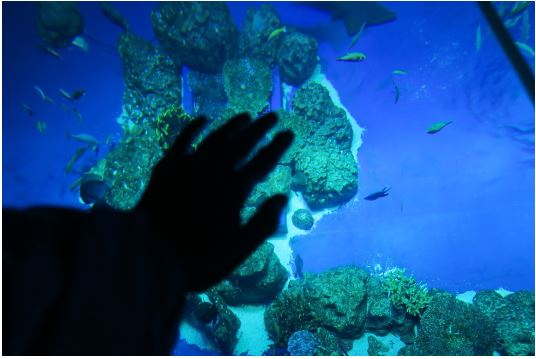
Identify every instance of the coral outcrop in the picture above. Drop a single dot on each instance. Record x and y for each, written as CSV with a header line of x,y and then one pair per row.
x,y
199,34
303,219
259,279
208,94
257,26
297,57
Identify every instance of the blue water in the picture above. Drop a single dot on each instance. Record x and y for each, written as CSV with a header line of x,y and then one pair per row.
x,y
460,214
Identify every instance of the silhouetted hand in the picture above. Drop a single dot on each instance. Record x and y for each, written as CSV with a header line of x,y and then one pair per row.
x,y
193,200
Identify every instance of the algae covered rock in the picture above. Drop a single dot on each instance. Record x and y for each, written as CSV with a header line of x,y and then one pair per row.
x,y
321,154
375,347
513,316
208,94
303,219
452,327
382,315
199,34
331,345
259,279
257,26
297,57
302,343
335,300
223,333
248,85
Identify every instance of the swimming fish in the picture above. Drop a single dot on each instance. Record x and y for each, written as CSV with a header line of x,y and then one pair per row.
x,y
298,266
75,95
399,72
43,96
437,126
397,94
78,115
85,138
519,7
114,15
93,188
79,153
374,196
41,126
358,35
81,43
525,48
28,109
353,57
277,32
49,50
478,41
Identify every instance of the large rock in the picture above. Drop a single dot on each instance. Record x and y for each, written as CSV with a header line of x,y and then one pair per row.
x,y
324,167
514,318
259,279
257,27
452,327
318,301
382,316
208,94
199,34
297,57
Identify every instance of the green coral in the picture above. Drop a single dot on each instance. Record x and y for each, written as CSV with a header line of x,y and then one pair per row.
x,y
405,292
166,125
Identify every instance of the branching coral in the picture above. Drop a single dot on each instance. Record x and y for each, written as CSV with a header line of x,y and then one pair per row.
x,y
405,292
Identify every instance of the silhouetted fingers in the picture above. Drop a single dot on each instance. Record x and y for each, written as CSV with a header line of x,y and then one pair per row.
x,y
249,137
262,225
186,137
265,160
222,134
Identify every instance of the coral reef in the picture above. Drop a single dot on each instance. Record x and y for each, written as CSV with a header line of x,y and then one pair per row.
x,y
257,26
321,152
199,34
303,219
302,343
382,315
259,279
318,301
209,95
297,57
514,319
405,292
248,85
330,345
452,327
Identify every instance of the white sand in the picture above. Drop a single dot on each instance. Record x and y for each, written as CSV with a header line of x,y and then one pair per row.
x,y
194,336
466,297
392,341
252,334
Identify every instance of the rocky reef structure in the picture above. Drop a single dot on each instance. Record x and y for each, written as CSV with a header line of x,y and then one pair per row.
x,y
452,327
258,280
513,316
257,26
325,169
297,57
150,120
317,301
209,95
222,329
199,34
248,85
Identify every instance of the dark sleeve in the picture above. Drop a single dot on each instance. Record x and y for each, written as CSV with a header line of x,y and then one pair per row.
x,y
79,283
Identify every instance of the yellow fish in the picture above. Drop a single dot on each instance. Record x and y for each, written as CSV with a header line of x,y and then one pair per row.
x,y
277,32
353,57
478,42
41,126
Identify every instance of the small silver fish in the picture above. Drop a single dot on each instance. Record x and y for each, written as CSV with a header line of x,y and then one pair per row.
x,y
358,35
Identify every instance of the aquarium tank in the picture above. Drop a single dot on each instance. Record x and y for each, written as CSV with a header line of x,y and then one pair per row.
x,y
410,223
